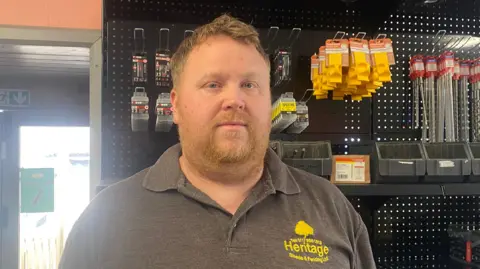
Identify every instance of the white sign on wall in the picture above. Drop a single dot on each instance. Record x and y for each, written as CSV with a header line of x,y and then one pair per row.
x,y
14,98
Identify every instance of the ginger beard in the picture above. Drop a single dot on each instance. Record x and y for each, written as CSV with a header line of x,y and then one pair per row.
x,y
223,146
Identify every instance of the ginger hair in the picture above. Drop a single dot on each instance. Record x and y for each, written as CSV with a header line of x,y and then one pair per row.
x,y
223,25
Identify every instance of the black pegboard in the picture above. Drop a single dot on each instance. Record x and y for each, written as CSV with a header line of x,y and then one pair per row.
x,y
412,231
260,13
131,152
455,16
348,122
363,207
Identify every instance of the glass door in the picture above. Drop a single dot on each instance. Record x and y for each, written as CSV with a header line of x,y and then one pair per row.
x,y
54,190
44,187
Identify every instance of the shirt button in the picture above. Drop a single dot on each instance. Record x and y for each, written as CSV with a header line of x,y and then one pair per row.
x,y
235,225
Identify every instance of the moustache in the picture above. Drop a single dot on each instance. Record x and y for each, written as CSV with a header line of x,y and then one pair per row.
x,y
232,119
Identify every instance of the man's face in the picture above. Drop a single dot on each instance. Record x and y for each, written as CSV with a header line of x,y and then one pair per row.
x,y
222,104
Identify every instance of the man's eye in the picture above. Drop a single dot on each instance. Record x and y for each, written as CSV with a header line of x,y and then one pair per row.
x,y
212,85
249,85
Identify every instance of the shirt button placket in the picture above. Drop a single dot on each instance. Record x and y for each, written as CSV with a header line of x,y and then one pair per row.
x,y
230,235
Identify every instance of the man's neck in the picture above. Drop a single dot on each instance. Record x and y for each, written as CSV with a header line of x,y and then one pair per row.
x,y
228,186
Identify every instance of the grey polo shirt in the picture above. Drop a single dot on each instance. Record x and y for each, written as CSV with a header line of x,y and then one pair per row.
x,y
157,219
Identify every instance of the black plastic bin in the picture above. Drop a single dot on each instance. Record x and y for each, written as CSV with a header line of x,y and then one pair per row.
x,y
313,157
448,162
475,150
398,162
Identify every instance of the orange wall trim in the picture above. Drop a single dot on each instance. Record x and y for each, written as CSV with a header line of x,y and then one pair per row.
x,y
78,14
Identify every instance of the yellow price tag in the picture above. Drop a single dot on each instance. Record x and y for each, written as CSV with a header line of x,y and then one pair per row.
x,y
288,106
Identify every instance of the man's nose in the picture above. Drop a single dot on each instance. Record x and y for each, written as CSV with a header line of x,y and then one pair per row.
x,y
234,98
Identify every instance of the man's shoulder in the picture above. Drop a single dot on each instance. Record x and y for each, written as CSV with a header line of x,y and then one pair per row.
x,y
132,183
117,195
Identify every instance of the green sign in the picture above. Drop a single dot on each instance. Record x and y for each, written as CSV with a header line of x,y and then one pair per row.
x,y
37,190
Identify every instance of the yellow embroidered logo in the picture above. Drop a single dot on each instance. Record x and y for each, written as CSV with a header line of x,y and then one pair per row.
x,y
306,248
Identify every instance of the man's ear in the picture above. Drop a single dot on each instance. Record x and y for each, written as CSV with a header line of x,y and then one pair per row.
x,y
174,101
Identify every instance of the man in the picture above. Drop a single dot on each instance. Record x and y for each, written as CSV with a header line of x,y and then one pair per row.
x,y
221,198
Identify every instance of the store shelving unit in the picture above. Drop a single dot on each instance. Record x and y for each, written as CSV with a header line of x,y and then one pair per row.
x,y
410,189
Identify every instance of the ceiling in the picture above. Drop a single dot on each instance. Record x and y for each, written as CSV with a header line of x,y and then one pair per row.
x,y
26,60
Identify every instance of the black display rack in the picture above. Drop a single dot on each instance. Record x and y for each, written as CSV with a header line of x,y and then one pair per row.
x,y
408,223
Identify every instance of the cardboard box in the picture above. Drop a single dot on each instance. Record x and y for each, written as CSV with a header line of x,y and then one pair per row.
x,y
351,169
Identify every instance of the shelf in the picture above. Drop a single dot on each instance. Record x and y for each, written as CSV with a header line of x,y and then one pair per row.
x,y
462,189
409,189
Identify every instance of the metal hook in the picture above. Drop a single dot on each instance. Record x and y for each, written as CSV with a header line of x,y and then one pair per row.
x,y
293,37
442,32
339,32
363,34
187,33
304,94
457,41
271,35
135,30
465,43
160,37
383,36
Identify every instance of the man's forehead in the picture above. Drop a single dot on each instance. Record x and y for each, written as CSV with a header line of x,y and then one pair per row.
x,y
225,61
225,74
216,45
215,65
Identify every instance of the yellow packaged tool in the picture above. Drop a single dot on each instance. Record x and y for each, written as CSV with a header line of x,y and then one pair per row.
x,y
314,72
314,67
389,48
382,57
326,85
353,68
338,95
362,92
359,62
302,122
284,112
336,58
317,76
374,82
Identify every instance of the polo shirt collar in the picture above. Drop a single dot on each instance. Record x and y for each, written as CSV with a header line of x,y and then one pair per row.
x,y
166,174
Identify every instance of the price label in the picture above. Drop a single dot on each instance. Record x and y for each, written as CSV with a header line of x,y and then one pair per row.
x,y
288,107
350,170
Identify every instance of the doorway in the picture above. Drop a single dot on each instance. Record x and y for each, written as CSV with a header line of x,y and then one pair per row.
x,y
64,150
60,81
